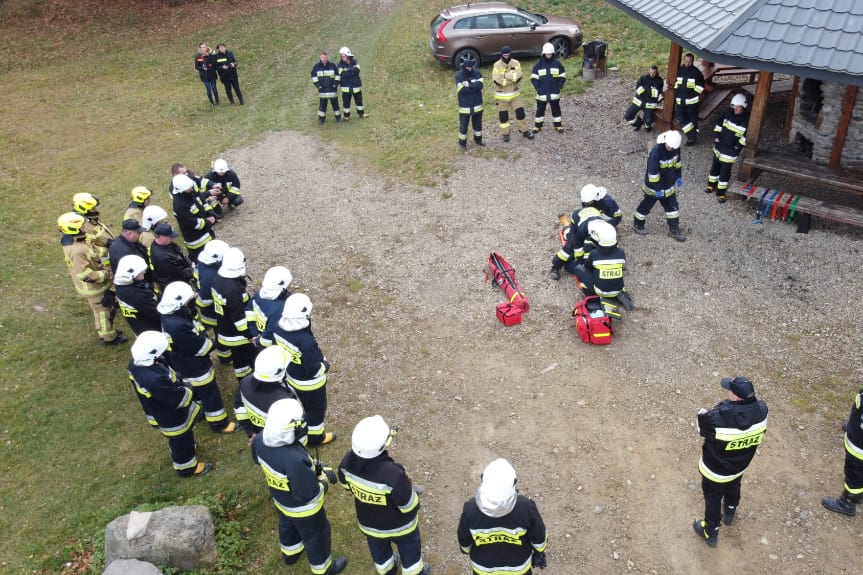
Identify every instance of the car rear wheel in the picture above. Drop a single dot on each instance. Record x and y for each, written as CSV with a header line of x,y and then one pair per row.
x,y
466,54
561,47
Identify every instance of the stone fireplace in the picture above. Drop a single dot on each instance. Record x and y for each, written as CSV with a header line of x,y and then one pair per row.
x,y
816,117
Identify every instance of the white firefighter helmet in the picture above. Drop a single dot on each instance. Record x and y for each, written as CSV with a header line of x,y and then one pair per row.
x,y
213,252
272,364
370,437
671,138
233,263
548,48
601,192
128,268
220,166
176,295
496,495
181,183
589,194
276,280
345,51
286,423
148,346
739,100
152,216
602,233
296,313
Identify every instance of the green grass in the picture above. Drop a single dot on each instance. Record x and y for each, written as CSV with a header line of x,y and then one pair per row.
x,y
103,98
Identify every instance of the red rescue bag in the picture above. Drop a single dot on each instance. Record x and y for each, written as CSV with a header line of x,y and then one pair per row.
x,y
504,277
508,314
592,324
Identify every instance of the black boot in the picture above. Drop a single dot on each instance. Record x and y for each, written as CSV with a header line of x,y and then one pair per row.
x,y
637,124
528,134
478,141
338,565
676,234
462,144
708,533
728,514
638,227
841,505
625,301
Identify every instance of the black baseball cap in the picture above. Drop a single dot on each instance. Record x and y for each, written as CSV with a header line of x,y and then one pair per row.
x,y
739,386
132,225
506,50
165,230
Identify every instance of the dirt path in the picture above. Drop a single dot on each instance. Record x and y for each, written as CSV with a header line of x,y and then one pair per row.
x,y
603,438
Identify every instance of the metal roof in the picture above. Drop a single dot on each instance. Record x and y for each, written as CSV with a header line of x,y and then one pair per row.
x,y
821,39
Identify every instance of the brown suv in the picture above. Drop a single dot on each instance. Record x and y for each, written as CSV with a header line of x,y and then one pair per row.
x,y
478,31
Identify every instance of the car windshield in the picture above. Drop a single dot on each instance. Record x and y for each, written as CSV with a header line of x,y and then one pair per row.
x,y
538,18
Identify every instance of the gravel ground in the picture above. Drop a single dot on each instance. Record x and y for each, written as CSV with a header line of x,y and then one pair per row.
x,y
602,437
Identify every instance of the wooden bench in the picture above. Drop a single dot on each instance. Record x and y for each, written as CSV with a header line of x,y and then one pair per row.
x,y
713,100
842,180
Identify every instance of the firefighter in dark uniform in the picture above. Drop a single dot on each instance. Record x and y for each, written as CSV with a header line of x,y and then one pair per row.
x,y
573,250
852,492
135,295
152,217
297,485
648,91
226,67
548,77
384,498
729,138
140,199
91,275
167,260
267,304
325,77
501,530
195,221
227,181
598,197
468,86
351,83
127,244
307,373
732,432
687,94
262,388
664,172
165,401
97,232
209,262
603,267
190,353
229,302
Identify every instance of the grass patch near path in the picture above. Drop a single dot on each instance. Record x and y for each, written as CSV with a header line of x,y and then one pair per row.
x,y
101,97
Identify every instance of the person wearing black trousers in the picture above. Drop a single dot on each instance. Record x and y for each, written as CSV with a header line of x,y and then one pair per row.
x,y
226,66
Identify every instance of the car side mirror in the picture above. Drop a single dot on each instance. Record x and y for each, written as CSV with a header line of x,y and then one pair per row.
x,y
533,26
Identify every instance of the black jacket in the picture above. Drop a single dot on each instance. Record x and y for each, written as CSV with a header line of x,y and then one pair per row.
x,y
729,134
205,66
229,302
122,247
192,218
663,170
548,77
137,303
384,498
732,432
256,397
290,475
165,401
326,78
170,264
226,65
470,96
190,347
647,92
689,85
607,266
308,369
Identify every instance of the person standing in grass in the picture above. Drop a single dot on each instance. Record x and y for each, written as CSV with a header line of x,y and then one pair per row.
x,y
206,67
325,77
351,83
226,66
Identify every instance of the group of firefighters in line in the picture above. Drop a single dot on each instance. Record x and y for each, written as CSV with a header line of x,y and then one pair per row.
x,y
171,298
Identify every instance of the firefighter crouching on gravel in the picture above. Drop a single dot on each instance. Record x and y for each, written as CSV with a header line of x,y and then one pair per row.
x,y
852,493
648,92
729,138
573,249
225,183
90,275
166,402
308,370
229,302
384,498
190,353
135,296
732,432
262,388
507,75
501,530
664,172
598,197
601,271
297,485
468,86
548,77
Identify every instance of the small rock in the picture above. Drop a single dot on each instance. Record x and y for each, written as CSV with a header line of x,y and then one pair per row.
x,y
598,509
548,368
772,556
39,308
764,541
457,398
363,396
800,556
614,555
652,476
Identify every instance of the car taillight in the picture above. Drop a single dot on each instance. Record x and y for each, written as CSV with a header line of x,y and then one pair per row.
x,y
439,34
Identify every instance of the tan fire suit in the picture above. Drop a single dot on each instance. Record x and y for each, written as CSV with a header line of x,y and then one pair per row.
x,y
507,77
92,279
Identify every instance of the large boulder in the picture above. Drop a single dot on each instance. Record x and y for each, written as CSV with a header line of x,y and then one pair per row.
x,y
181,537
131,567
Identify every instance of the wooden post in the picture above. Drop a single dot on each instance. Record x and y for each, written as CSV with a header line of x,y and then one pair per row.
x,y
842,130
753,132
792,102
674,57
